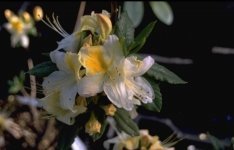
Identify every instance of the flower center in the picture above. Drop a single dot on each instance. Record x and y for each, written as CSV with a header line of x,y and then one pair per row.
x,y
17,24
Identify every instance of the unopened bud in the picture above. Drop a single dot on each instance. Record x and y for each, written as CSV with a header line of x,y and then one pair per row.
x,y
104,24
93,126
38,13
8,13
26,17
110,109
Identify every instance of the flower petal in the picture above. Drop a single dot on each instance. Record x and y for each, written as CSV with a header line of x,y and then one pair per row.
x,y
51,104
90,85
69,43
113,48
142,90
54,81
117,93
24,41
15,38
134,67
68,95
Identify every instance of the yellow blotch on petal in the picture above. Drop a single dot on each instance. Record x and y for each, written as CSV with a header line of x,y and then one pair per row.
x,y
72,60
16,23
92,58
93,126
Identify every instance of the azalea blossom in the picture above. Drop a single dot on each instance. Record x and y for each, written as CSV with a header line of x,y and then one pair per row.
x,y
108,70
60,87
18,26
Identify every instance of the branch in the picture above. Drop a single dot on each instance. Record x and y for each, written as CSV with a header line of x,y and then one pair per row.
x,y
178,132
222,50
80,14
23,7
33,95
170,60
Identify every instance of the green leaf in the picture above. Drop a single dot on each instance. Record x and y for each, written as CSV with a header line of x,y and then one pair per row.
x,y
156,105
33,32
124,29
161,73
17,83
141,38
125,123
162,11
135,10
43,69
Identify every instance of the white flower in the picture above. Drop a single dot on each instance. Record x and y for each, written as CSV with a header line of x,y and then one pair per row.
x,y
62,82
107,69
69,42
18,29
52,105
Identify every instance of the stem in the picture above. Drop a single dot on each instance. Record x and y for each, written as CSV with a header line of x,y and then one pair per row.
x,y
80,14
33,94
178,132
23,7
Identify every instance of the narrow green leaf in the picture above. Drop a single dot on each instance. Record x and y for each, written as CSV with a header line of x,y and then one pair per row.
x,y
124,29
125,123
162,11
43,69
135,10
141,38
156,105
161,73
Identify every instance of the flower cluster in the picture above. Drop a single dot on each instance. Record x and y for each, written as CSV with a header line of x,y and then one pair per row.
x,y
22,25
95,73
99,65
143,142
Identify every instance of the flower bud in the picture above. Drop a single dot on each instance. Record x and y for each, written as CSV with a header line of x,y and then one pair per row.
x,y
8,14
132,143
104,24
26,16
93,126
38,13
110,109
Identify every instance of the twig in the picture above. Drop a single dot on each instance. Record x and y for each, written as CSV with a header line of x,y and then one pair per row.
x,y
33,95
222,50
170,60
177,131
23,7
80,14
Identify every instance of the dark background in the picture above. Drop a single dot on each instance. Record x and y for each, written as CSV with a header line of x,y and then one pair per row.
x,y
204,104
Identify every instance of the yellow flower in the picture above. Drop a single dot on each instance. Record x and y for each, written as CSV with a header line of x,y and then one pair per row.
x,y
119,77
51,103
93,126
63,83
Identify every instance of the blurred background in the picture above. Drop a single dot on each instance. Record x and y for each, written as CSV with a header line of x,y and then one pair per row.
x,y
205,104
